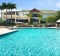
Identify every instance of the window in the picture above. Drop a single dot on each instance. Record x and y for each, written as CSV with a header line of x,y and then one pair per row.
x,y
9,13
20,20
34,15
17,13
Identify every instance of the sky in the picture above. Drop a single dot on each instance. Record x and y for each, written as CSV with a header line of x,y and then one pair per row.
x,y
38,4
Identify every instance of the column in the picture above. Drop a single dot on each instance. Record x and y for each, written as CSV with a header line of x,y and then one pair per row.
x,y
15,16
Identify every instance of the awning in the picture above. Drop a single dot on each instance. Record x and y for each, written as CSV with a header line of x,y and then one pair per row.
x,y
58,20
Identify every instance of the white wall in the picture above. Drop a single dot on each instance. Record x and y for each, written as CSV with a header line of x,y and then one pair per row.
x,y
0,14
23,13
20,13
47,14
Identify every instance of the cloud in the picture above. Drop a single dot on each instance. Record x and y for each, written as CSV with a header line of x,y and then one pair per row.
x,y
58,4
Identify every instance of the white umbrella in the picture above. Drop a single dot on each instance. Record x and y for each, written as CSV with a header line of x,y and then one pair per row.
x,y
58,20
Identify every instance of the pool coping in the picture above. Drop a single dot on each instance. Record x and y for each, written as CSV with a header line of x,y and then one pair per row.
x,y
13,29
36,27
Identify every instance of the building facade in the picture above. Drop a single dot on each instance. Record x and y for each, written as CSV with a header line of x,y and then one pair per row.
x,y
21,16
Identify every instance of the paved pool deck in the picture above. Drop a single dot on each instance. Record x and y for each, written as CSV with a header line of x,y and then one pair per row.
x,y
5,31
9,30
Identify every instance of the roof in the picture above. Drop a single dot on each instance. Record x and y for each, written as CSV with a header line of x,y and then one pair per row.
x,y
25,10
48,11
42,11
34,10
58,21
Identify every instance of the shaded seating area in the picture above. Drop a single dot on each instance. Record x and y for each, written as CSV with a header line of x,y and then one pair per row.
x,y
50,24
35,24
34,20
22,24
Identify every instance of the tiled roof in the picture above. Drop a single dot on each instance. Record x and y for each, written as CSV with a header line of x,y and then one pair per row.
x,y
34,10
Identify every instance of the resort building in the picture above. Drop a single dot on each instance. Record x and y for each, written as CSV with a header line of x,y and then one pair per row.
x,y
21,16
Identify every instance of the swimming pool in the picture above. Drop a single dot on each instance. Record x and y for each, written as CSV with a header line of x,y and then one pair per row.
x,y
31,42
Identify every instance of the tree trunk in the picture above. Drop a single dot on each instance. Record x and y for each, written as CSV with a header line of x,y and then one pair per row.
x,y
11,17
6,17
39,21
1,15
29,21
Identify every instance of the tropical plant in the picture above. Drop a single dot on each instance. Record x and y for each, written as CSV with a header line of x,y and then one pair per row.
x,y
54,18
58,15
51,19
2,7
5,6
8,6
29,15
11,6
1,11
39,17
2,22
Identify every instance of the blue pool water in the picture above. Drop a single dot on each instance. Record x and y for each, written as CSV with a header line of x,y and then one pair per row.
x,y
31,42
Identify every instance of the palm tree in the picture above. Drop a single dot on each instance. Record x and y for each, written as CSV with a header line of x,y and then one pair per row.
x,y
1,8
39,17
11,6
5,6
8,5
1,11
29,15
